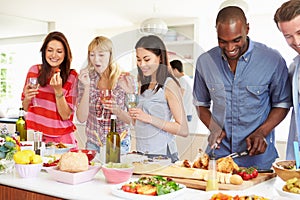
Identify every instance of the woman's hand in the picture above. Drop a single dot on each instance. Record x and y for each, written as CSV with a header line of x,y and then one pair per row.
x,y
138,114
111,105
126,81
56,83
84,77
30,92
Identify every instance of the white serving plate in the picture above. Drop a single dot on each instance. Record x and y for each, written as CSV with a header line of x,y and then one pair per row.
x,y
73,178
279,183
117,191
209,194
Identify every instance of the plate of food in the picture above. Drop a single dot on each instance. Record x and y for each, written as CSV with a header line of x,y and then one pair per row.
x,y
152,187
50,161
283,190
60,147
236,195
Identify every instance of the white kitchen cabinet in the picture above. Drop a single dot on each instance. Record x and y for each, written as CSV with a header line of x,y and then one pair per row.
x,y
182,43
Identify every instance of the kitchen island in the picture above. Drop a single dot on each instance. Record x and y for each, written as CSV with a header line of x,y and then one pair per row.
x,y
45,188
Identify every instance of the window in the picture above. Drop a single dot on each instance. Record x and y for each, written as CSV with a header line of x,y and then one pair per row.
x,y
15,60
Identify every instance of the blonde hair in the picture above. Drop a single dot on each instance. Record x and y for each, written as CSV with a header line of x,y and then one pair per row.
x,y
104,44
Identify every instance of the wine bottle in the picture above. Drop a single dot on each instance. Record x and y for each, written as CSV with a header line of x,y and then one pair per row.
x,y
21,125
113,142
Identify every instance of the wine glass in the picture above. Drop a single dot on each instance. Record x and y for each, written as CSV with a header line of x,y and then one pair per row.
x,y
131,101
105,95
33,84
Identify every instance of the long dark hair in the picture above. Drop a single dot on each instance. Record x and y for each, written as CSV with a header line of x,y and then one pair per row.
x,y
155,45
65,66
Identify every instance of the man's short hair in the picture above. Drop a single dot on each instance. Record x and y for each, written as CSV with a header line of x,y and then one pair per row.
x,y
177,64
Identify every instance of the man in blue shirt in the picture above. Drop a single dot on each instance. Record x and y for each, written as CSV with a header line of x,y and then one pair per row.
x,y
247,84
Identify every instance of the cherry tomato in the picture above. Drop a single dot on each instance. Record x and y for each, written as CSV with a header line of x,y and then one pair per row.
x,y
254,173
129,188
246,177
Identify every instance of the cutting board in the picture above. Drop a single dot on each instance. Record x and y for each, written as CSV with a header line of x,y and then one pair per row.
x,y
188,177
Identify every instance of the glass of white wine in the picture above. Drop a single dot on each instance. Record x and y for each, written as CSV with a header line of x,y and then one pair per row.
x,y
131,101
33,84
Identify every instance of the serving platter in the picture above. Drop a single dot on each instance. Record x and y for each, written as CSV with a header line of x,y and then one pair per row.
x,y
73,178
189,176
279,183
117,191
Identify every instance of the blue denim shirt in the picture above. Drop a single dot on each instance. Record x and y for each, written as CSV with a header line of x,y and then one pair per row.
x,y
241,102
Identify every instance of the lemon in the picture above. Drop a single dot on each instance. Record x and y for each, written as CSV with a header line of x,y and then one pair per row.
x,y
30,153
36,159
21,158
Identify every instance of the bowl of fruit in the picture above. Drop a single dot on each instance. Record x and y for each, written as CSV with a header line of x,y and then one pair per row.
x,y
28,164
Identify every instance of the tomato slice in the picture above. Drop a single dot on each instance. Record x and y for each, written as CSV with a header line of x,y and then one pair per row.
x,y
129,188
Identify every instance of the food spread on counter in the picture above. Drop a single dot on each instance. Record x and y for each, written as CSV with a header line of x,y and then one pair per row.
x,y
73,162
56,145
153,186
51,161
221,196
26,156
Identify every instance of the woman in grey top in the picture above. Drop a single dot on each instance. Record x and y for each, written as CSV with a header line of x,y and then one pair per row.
x,y
160,114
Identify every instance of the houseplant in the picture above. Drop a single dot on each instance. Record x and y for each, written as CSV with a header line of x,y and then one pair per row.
x,y
8,146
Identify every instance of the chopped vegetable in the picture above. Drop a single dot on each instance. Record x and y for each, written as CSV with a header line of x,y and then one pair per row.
x,y
155,185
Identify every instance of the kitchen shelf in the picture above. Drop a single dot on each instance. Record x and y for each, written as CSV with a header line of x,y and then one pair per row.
x,y
181,43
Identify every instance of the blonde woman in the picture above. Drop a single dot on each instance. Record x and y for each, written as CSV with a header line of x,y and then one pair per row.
x,y
100,73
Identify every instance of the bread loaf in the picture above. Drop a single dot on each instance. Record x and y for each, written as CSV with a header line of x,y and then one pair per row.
x,y
73,162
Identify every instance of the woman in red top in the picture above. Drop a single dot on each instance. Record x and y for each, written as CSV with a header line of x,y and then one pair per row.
x,y
50,106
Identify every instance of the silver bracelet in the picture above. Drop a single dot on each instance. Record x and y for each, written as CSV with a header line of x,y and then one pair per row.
x,y
58,96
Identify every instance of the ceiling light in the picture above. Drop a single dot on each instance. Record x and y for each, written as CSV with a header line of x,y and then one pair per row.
x,y
154,26
239,3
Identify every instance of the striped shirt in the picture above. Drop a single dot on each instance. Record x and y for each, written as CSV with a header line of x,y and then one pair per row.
x,y
45,117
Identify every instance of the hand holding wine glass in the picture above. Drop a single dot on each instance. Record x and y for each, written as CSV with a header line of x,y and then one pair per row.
x,y
33,84
105,95
131,101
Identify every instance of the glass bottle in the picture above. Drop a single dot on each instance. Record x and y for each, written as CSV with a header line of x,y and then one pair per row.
x,y
212,182
113,142
21,125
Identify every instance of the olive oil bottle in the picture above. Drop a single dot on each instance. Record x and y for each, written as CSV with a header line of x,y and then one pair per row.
x,y
212,182
113,142
21,125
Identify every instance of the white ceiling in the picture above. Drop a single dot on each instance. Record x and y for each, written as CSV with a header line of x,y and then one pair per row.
x,y
100,14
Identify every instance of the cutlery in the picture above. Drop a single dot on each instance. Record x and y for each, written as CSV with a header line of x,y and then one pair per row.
x,y
99,141
238,154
